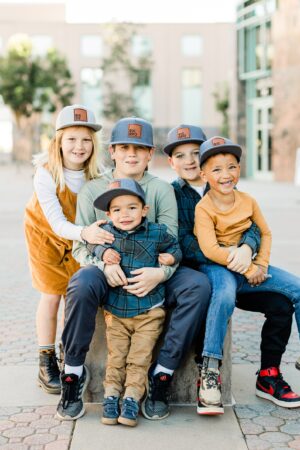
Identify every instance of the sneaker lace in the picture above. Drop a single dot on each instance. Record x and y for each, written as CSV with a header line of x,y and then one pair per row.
x,y
69,393
281,384
211,379
52,367
159,390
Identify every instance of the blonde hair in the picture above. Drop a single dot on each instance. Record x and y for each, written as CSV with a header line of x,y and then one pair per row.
x,y
54,159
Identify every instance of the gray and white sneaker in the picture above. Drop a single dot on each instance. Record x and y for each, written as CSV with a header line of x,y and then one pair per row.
x,y
71,406
210,387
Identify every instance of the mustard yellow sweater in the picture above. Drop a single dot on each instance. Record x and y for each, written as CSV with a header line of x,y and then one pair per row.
x,y
216,229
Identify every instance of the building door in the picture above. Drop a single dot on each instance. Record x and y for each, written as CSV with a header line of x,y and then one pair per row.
x,y
262,138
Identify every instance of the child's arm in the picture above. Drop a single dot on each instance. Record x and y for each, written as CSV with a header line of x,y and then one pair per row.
x,y
45,190
169,249
206,235
105,253
85,214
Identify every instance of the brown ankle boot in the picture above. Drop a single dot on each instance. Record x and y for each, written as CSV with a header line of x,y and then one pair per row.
x,y
48,377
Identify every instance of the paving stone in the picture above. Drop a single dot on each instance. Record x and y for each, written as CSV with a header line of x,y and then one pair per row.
x,y
6,424
248,427
18,432
24,417
254,443
264,409
20,446
8,410
268,421
44,423
243,412
64,429
291,428
275,437
295,444
287,414
58,445
51,410
3,440
39,439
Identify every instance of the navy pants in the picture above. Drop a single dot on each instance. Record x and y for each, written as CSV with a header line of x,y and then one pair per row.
x,y
187,293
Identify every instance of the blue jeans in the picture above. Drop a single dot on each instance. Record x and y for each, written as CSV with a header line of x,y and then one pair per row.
x,y
225,285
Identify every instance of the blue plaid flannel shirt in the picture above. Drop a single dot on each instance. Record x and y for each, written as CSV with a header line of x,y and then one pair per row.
x,y
138,249
187,199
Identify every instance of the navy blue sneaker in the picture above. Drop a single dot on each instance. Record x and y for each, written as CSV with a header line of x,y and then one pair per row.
x,y
129,412
156,404
71,406
111,410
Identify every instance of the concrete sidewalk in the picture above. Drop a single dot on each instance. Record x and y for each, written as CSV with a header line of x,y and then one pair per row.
x,y
27,414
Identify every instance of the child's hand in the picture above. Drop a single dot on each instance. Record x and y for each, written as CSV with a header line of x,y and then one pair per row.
x,y
259,276
111,256
166,259
115,275
94,234
239,259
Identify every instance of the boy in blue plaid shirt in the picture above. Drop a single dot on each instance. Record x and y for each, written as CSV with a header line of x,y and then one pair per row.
x,y
133,323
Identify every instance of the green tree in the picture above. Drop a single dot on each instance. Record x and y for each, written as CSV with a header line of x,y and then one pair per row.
x,y
222,104
122,72
31,85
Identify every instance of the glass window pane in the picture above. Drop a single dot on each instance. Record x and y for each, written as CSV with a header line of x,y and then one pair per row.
x,y
91,94
91,46
191,96
141,45
41,44
191,45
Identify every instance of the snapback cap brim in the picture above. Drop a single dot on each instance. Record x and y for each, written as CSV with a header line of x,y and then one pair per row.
x,y
102,202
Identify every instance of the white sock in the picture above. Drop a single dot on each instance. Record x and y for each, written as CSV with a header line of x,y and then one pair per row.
x,y
76,370
163,369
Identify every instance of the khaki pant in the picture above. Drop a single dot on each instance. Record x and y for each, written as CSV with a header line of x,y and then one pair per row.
x,y
130,342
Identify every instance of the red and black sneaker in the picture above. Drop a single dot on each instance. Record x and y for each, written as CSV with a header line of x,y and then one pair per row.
x,y
271,386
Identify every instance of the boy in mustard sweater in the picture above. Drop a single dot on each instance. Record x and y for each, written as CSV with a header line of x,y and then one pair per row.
x,y
221,217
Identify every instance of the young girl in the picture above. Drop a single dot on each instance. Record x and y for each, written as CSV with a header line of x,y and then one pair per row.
x,y
49,225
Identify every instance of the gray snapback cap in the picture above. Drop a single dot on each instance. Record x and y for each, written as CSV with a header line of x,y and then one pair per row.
x,y
76,115
120,186
217,145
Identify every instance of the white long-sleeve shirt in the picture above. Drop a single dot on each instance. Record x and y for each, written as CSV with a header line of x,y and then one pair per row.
x,y
45,190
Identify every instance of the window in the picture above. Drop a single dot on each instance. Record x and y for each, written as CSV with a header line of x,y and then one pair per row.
x,y
91,46
41,44
91,94
142,94
191,45
141,45
191,96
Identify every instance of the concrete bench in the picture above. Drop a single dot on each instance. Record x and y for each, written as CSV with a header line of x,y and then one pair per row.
x,y
183,389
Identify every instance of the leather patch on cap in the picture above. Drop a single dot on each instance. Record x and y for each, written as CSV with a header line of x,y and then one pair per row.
x,y
218,141
114,185
80,115
183,133
135,130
